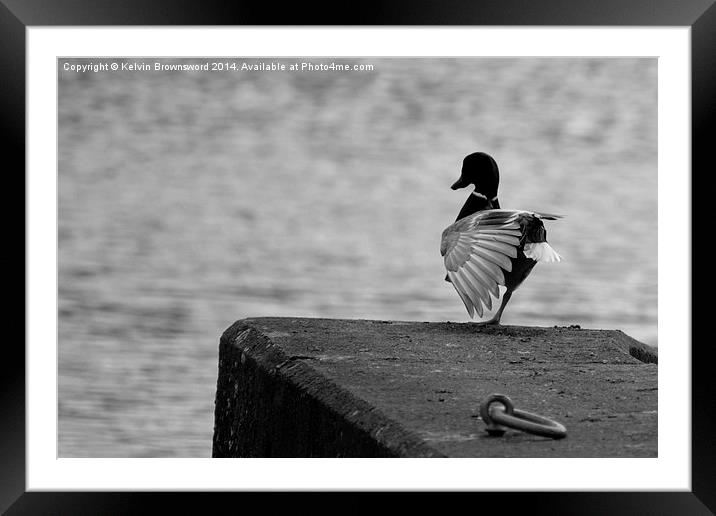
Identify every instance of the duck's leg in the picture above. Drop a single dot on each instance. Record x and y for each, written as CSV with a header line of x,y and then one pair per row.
x,y
498,315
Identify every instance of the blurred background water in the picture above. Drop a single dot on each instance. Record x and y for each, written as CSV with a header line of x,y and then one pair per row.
x,y
188,200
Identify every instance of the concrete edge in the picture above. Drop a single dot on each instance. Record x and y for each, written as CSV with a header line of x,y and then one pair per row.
x,y
247,348
637,349
631,346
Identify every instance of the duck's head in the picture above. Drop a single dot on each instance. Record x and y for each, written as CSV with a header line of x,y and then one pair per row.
x,y
481,170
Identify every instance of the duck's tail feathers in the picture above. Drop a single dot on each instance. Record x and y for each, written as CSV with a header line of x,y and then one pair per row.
x,y
541,252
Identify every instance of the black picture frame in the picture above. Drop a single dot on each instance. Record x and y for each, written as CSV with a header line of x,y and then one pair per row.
x,y
18,15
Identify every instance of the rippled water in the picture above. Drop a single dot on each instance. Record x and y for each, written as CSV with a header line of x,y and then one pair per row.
x,y
189,200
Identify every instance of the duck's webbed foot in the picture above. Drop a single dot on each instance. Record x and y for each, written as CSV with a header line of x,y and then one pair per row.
x,y
495,321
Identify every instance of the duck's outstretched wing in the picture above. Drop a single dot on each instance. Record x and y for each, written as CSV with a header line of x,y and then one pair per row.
x,y
477,249
541,215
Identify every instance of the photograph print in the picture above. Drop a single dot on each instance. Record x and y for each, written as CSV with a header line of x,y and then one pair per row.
x,y
357,257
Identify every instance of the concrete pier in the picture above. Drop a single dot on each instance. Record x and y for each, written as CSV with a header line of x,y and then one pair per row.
x,y
293,387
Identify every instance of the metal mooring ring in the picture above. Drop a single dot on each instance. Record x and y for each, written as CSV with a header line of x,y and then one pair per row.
x,y
497,419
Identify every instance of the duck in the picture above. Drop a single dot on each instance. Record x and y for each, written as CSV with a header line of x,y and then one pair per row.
x,y
488,247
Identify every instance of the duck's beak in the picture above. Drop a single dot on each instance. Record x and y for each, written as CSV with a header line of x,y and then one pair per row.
x,y
460,183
